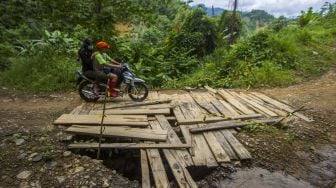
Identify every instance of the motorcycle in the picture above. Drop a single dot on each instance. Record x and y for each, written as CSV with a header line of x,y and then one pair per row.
x,y
128,84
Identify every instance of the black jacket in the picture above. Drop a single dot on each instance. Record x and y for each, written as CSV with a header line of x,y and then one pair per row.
x,y
85,56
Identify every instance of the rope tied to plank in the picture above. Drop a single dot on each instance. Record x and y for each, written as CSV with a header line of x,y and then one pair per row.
x,y
102,127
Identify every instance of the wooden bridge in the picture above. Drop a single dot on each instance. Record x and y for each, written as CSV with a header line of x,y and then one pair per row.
x,y
191,128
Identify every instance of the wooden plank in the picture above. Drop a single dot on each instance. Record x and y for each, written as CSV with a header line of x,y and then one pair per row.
x,y
113,120
232,124
216,148
217,119
164,111
228,97
282,106
267,105
232,110
183,155
129,146
214,145
236,145
180,173
202,153
197,96
210,89
226,146
178,114
124,132
158,170
169,118
221,108
151,107
250,102
145,183
133,104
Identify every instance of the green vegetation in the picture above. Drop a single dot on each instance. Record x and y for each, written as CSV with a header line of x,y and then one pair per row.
x,y
170,44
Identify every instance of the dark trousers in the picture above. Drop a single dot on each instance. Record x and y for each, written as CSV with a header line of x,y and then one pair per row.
x,y
99,76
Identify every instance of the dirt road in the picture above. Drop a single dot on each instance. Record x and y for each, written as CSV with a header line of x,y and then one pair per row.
x,y
32,156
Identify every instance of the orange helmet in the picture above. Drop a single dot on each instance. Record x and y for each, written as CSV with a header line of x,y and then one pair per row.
x,y
101,45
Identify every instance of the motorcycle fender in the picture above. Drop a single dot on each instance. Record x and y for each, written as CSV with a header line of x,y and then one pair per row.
x,y
138,80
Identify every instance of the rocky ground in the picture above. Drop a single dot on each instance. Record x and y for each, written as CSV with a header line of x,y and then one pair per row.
x,y
32,156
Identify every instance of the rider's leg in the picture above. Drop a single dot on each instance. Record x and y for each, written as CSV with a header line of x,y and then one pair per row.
x,y
100,77
112,84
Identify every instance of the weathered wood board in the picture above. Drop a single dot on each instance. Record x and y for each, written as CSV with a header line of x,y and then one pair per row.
x,y
124,132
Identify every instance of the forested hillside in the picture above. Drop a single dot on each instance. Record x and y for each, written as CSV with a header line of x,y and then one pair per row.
x,y
168,43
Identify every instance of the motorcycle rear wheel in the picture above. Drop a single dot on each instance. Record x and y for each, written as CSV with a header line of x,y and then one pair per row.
x,y
85,90
138,93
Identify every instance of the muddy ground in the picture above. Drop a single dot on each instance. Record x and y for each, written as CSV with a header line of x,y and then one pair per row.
x,y
32,156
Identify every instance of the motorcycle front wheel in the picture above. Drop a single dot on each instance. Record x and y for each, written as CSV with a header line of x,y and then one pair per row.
x,y
139,92
85,90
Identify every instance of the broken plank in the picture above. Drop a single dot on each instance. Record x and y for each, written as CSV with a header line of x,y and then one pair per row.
x,y
164,111
172,138
282,106
180,173
145,180
124,132
232,124
128,146
115,120
202,153
217,119
240,150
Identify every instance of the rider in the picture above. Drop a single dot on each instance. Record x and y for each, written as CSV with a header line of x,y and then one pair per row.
x,y
101,60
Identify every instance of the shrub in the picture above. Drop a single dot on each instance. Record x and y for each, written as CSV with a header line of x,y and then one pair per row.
x,y
41,73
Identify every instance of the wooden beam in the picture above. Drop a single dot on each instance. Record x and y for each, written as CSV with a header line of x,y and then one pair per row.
x,y
228,97
217,119
168,118
162,111
144,169
232,124
182,155
210,89
128,146
253,104
112,120
282,106
124,132
157,167
180,173
241,151
133,104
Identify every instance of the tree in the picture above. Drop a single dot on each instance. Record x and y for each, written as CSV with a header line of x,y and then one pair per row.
x,y
228,24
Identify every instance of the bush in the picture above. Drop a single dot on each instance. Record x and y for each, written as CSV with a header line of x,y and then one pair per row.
x,y
41,73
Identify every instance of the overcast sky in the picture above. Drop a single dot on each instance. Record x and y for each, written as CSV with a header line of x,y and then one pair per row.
x,y
287,8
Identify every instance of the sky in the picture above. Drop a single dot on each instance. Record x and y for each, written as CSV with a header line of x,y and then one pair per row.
x,y
288,8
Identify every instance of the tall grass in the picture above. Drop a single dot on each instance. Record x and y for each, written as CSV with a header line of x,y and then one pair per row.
x,y
40,73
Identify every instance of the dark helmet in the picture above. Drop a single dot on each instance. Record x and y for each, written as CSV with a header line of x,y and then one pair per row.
x,y
87,44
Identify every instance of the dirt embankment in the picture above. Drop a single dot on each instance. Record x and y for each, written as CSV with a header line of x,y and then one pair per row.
x,y
32,156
